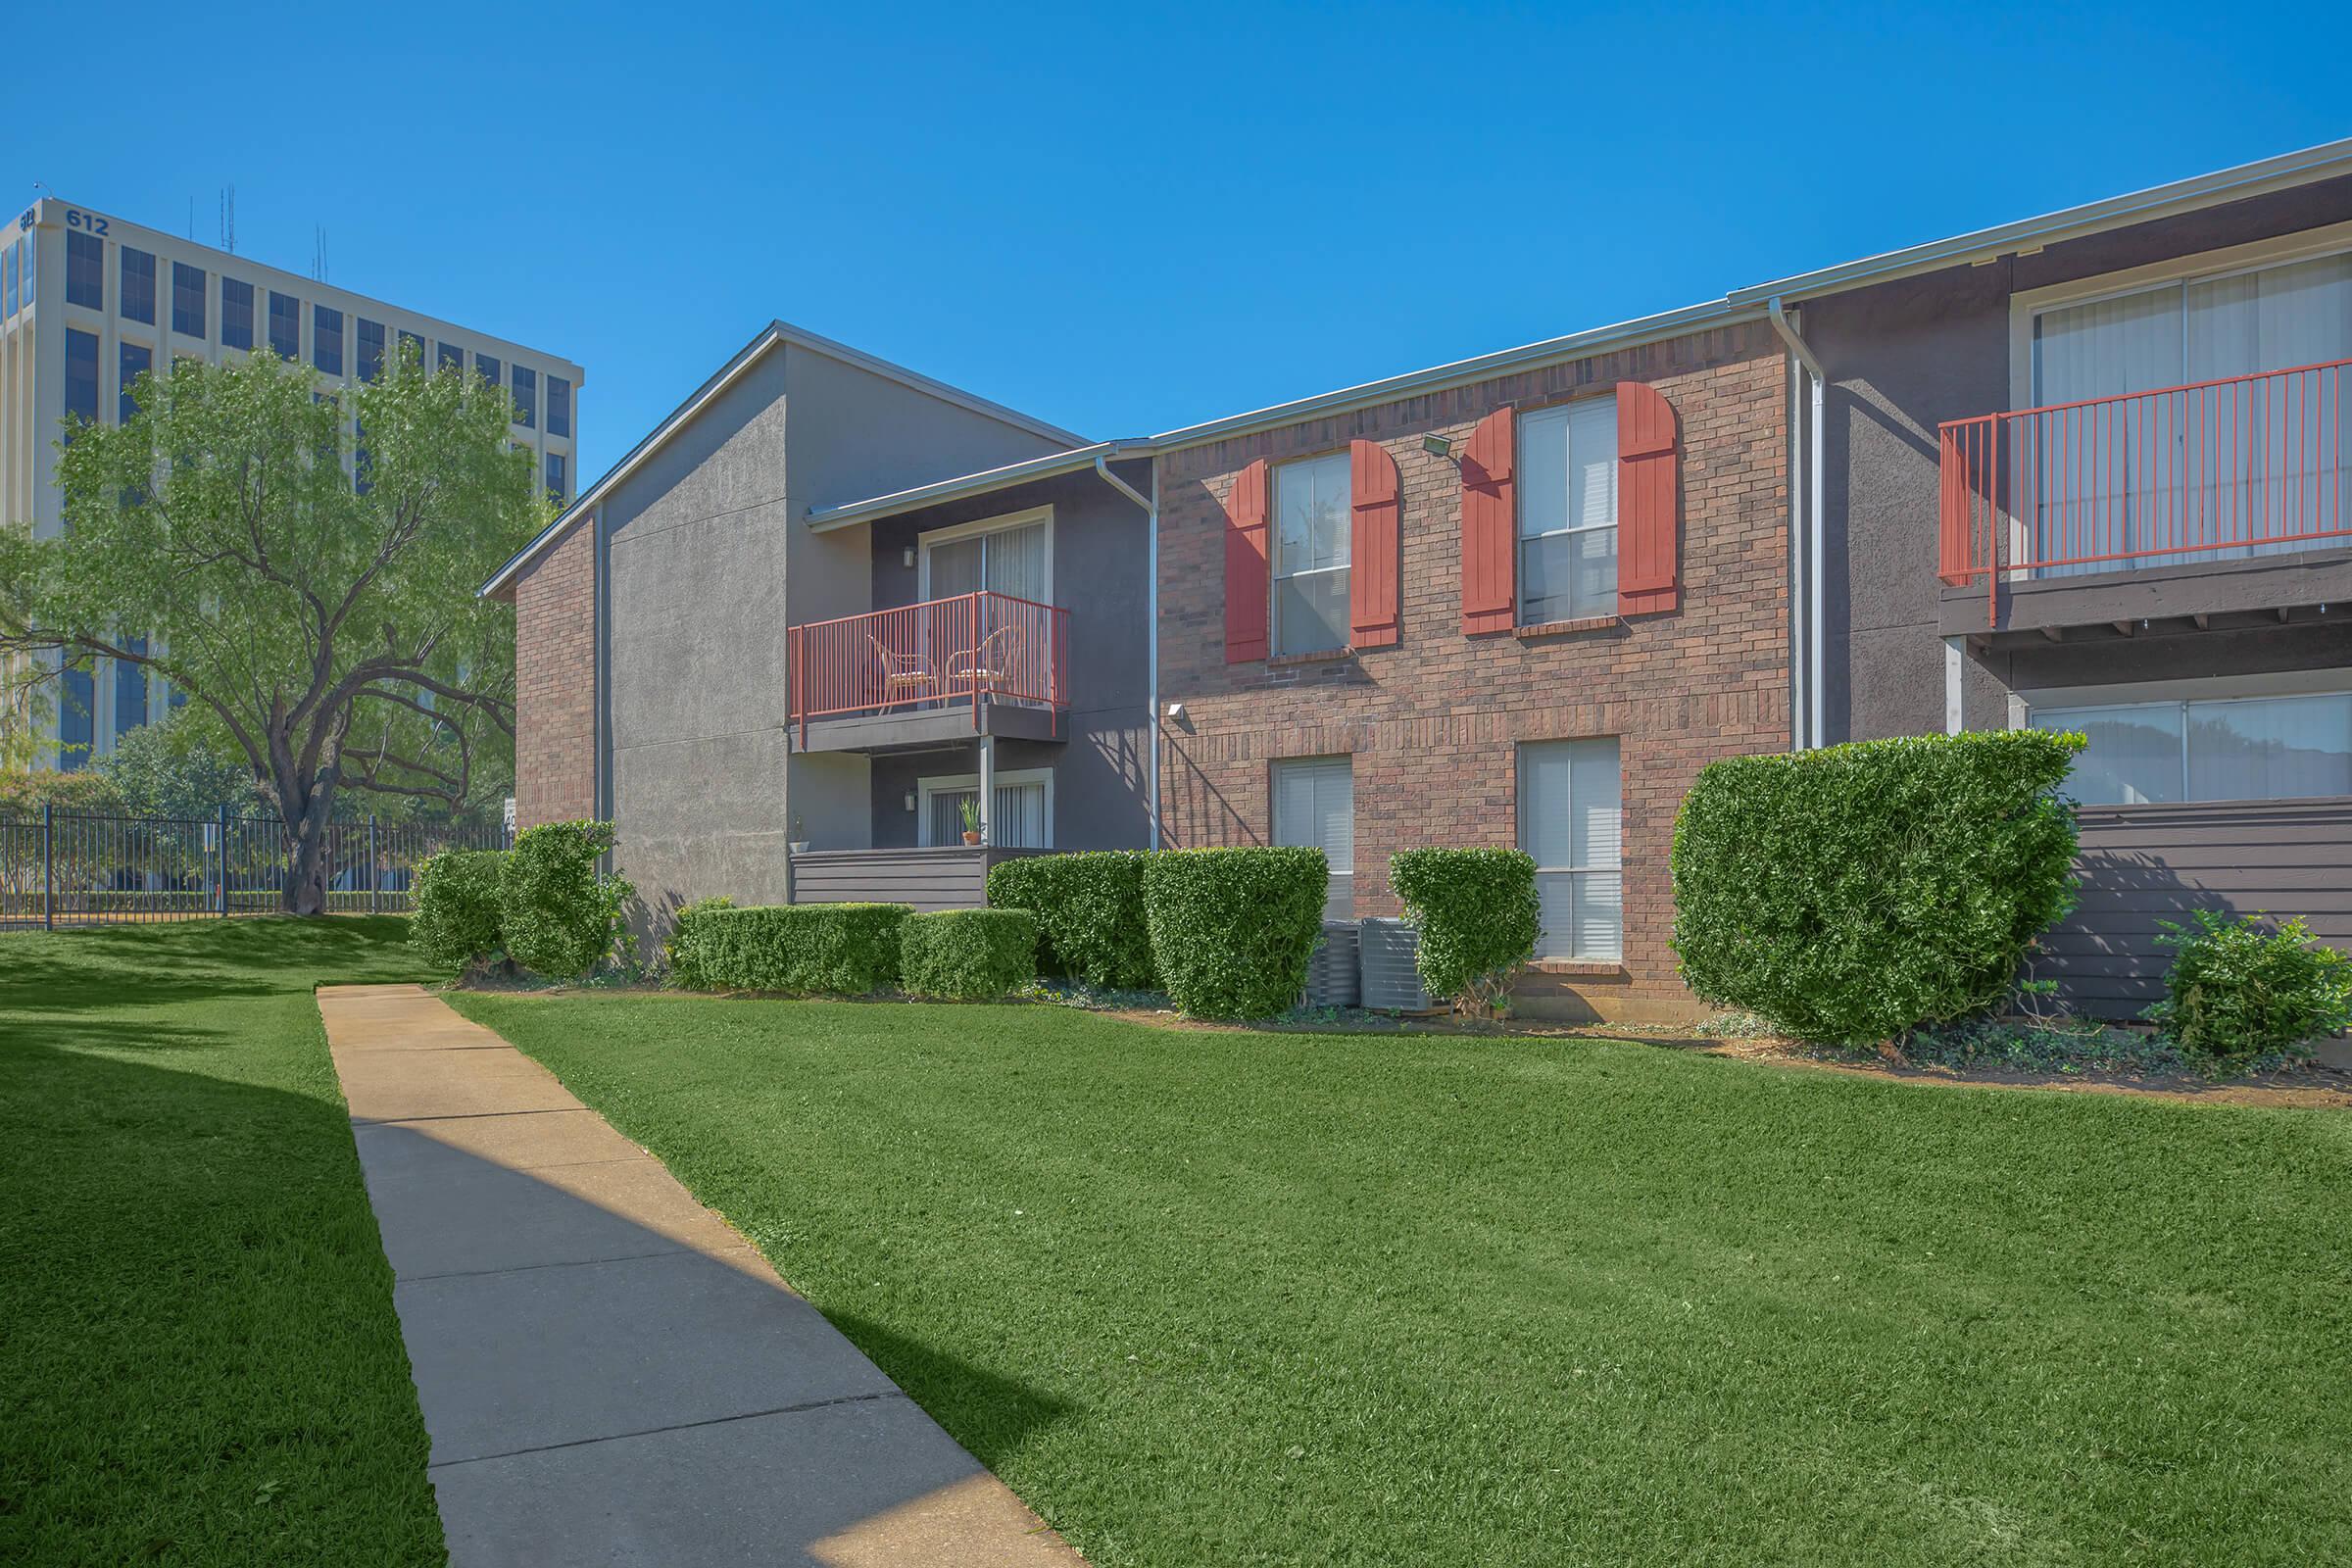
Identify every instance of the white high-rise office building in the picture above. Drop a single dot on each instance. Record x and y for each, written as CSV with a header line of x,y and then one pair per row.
x,y
87,301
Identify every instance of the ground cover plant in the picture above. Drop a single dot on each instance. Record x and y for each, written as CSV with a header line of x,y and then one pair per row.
x,y
2244,989
1232,1296
200,1362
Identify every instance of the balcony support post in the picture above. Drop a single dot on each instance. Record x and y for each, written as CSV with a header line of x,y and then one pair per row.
x,y
987,789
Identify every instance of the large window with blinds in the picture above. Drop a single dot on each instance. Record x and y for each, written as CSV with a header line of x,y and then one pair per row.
x,y
2220,749
1022,819
1010,555
1313,524
1570,820
1568,512
1315,807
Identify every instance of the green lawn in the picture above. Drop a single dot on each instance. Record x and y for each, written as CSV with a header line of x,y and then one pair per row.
x,y
1232,1299
198,1357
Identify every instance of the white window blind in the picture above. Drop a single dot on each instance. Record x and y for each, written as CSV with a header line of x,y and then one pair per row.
x,y
1315,807
1568,512
1570,820
2223,748
1023,817
1314,523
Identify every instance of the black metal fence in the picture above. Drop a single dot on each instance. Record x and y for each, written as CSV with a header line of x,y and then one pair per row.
x,y
60,868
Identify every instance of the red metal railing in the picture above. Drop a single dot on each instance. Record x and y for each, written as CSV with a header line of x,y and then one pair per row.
x,y
2249,465
973,648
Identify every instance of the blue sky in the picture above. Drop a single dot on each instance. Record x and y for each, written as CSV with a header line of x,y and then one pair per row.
x,y
1123,219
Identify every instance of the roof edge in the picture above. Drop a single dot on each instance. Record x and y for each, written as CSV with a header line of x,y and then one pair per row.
x,y
1053,464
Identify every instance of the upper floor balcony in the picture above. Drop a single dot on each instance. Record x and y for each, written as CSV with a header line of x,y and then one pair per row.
x,y
920,674
2190,493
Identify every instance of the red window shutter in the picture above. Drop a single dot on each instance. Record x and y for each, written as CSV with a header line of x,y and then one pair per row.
x,y
1647,488
1246,568
1373,545
1489,526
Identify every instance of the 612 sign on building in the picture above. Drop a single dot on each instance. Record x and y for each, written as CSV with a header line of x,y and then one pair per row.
x,y
75,217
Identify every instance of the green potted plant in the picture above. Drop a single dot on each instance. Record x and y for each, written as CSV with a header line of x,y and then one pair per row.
x,y
799,842
970,811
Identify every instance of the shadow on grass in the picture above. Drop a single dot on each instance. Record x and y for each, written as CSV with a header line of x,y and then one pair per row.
x,y
192,960
990,1414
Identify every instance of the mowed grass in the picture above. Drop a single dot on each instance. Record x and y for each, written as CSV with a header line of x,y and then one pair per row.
x,y
1239,1299
199,1362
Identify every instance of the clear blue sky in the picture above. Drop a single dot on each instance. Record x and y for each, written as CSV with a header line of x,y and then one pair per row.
x,y
1122,220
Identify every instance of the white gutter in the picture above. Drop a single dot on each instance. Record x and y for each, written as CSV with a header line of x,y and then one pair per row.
x,y
1150,506
1805,501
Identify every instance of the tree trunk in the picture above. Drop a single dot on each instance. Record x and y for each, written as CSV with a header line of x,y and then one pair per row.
x,y
304,808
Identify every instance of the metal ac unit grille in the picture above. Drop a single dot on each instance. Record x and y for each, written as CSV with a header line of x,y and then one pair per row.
x,y
1390,980
1331,975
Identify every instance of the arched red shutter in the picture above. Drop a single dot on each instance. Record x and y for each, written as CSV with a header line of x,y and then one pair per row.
x,y
1246,512
1373,545
1489,526
1648,489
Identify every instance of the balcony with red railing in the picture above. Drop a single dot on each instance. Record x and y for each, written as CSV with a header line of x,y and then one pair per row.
x,y
975,663
2217,473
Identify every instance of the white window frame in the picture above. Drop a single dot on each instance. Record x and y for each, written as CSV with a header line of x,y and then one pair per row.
x,y
1338,898
1577,875
953,783
1274,551
1003,524
1520,537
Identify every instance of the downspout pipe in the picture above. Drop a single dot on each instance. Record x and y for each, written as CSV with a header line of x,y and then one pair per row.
x,y
1808,499
1151,507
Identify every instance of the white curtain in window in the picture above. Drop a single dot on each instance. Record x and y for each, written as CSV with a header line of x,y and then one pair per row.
x,y
2225,749
1567,489
1009,561
1315,807
2133,755
1571,816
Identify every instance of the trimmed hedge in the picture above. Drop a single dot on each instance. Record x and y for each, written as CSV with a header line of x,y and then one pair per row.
x,y
558,915
2246,988
1090,911
1850,894
457,907
1231,930
842,949
967,955
679,952
1478,917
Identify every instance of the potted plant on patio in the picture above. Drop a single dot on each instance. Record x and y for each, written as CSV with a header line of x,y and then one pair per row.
x,y
799,842
970,811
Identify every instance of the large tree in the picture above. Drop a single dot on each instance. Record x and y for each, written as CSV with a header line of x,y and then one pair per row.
x,y
303,567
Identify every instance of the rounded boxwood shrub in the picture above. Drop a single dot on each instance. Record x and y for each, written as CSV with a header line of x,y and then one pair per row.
x,y
1231,930
1850,894
456,917
1090,913
967,955
2247,988
1478,917
839,950
558,916
679,952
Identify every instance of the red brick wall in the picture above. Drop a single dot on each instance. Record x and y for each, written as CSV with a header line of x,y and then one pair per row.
x,y
555,683
1433,722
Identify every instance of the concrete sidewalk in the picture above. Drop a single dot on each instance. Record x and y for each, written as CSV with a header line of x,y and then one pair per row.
x,y
609,1372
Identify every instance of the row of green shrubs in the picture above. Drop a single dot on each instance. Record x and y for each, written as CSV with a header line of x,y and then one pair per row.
x,y
543,905
852,950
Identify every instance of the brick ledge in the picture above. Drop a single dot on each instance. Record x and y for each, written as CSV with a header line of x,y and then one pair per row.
x,y
1564,628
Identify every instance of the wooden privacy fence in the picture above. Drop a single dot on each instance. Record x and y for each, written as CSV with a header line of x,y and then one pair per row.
x,y
70,868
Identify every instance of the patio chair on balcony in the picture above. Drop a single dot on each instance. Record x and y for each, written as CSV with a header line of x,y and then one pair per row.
x,y
907,677
993,665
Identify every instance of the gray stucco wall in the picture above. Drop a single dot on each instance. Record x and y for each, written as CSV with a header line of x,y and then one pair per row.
x,y
1904,357
702,565
1100,549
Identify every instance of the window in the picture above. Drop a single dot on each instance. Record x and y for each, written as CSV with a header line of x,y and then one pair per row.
x,y
1310,555
76,722
131,689
558,405
363,462
187,299
133,360
8,280
85,270
1568,512
450,357
2220,749
1569,820
138,285
371,347
285,325
1315,807
556,485
1009,556
1023,818
527,398
486,368
326,339
82,374
31,248
236,313
413,343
